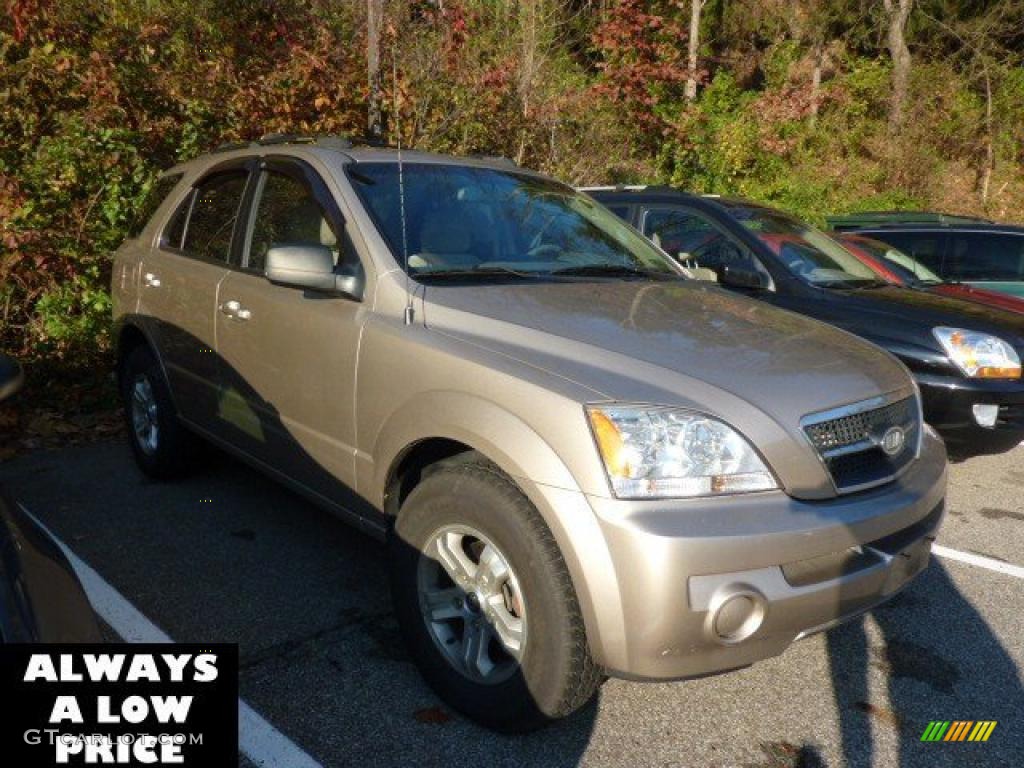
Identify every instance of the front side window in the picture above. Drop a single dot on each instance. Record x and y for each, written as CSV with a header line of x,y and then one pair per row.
x,y
211,223
697,243
288,213
805,251
987,256
461,220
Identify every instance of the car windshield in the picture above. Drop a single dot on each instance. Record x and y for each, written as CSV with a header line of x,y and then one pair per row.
x,y
805,251
476,223
906,267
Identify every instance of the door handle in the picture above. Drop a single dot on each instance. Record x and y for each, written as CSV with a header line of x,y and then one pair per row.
x,y
151,280
236,310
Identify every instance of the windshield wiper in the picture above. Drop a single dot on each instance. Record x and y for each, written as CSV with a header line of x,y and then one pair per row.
x,y
852,285
610,270
476,273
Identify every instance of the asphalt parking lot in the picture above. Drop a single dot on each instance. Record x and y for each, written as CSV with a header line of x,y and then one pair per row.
x,y
229,556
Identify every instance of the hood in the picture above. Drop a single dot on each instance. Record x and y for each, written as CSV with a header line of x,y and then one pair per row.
x,y
908,315
677,343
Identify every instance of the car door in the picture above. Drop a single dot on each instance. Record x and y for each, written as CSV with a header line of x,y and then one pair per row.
x,y
288,355
180,277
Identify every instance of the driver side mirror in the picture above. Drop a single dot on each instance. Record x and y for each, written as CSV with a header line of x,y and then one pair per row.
x,y
310,267
11,376
742,277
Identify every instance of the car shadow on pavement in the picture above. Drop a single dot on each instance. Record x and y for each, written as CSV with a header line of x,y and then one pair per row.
x,y
946,665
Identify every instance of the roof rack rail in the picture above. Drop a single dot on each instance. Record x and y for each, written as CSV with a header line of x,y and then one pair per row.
x,y
272,139
881,219
331,141
494,158
231,145
629,188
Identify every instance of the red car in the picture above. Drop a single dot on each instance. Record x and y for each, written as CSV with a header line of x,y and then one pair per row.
x,y
896,267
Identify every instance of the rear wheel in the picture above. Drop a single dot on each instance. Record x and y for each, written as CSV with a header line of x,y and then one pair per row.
x,y
162,447
485,601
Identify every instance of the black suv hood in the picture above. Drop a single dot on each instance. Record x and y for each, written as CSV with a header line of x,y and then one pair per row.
x,y
906,315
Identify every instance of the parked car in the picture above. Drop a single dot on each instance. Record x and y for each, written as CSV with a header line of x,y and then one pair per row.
x,y
988,256
894,266
41,599
964,356
582,462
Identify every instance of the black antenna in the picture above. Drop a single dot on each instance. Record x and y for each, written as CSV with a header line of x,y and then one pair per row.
x,y
401,190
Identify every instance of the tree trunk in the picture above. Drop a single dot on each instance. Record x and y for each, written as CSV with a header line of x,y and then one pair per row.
x,y
816,83
374,20
693,45
898,11
528,55
986,176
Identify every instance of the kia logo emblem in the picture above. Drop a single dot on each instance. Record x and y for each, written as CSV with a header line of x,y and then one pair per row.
x,y
893,441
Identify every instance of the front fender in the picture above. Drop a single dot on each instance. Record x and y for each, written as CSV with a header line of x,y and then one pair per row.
x,y
498,434
524,455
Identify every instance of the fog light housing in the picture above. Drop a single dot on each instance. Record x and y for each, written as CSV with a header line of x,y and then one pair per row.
x,y
736,614
985,414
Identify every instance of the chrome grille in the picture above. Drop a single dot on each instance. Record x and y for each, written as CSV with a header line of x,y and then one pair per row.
x,y
850,442
859,427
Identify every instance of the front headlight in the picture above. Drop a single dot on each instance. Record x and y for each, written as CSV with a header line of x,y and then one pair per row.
x,y
979,355
653,452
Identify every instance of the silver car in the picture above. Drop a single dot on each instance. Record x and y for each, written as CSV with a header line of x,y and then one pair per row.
x,y
583,462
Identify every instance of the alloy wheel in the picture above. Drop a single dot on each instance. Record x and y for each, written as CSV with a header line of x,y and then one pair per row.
x,y
144,415
472,604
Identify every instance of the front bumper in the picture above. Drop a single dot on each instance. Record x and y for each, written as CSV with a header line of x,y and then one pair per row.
x,y
714,584
948,404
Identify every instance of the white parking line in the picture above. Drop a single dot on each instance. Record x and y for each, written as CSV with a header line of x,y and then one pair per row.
x,y
258,740
979,560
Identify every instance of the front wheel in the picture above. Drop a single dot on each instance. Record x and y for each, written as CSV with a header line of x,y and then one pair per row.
x,y
485,601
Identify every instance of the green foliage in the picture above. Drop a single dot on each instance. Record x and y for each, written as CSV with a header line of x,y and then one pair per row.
x,y
97,97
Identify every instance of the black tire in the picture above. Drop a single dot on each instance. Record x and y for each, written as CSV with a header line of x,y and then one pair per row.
x,y
173,452
555,675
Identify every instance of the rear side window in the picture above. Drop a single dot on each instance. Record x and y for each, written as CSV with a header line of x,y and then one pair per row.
x,y
158,192
175,230
211,222
622,211
986,256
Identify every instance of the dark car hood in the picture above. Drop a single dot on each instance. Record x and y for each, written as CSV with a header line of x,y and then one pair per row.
x,y
907,315
610,335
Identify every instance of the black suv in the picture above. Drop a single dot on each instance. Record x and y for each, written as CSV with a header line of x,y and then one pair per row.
x,y
966,357
980,253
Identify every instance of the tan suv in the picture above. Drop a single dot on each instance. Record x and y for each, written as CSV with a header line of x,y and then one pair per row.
x,y
583,462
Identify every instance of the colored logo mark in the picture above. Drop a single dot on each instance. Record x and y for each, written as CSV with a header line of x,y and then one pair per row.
x,y
959,730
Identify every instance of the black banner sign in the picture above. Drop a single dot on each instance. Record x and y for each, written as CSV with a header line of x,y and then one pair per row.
x,y
119,704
